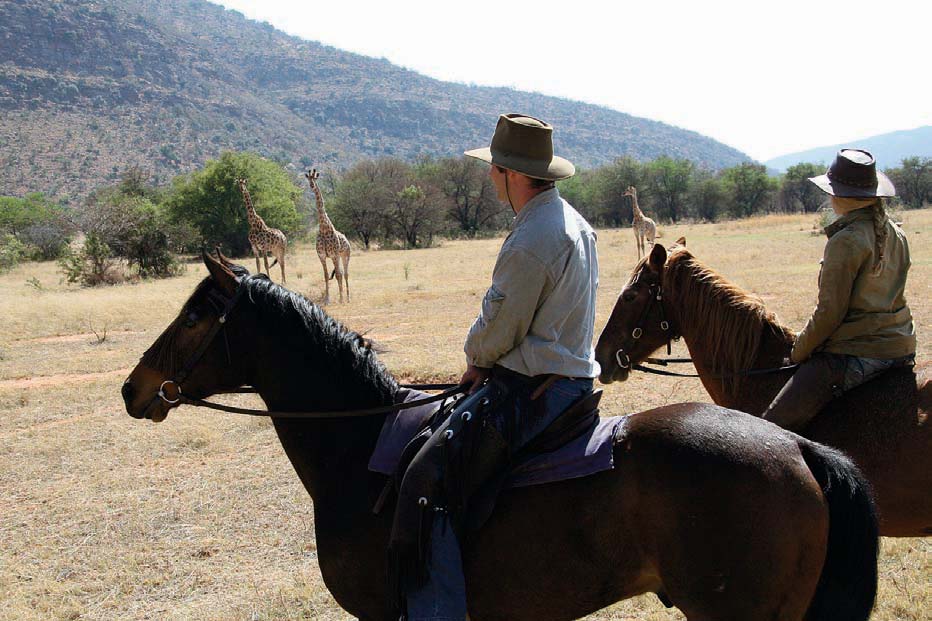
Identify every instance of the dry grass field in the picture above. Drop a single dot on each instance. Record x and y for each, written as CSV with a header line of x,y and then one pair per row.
x,y
202,517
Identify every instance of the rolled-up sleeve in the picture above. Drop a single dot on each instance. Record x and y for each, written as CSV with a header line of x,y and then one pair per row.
x,y
841,263
508,308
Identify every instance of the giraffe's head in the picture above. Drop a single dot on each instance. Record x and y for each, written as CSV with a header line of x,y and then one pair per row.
x,y
631,191
312,175
241,183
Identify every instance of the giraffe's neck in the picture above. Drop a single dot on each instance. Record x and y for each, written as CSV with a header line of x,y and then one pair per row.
x,y
255,220
323,219
636,212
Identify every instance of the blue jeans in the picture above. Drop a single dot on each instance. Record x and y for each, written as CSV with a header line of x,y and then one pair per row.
x,y
443,595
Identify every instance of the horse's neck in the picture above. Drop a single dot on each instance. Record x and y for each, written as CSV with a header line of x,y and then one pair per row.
x,y
751,393
326,453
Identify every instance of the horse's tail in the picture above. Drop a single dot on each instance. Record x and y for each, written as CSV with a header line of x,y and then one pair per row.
x,y
332,274
848,583
273,263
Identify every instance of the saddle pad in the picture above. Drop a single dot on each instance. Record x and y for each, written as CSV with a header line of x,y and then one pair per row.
x,y
589,453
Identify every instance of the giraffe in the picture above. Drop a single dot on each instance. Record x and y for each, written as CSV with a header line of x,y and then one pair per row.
x,y
262,237
330,243
644,227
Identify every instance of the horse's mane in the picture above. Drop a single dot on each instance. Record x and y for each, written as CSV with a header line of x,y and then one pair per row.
x,y
302,324
733,320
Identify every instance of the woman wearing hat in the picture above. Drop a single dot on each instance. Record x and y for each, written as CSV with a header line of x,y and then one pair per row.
x,y
861,325
529,356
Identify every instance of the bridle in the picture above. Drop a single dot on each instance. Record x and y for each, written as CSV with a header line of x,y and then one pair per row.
x,y
624,360
225,305
655,294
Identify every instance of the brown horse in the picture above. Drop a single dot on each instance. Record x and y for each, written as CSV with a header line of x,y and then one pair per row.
x,y
720,513
882,425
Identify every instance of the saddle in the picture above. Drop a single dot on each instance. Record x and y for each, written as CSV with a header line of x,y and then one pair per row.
x,y
456,467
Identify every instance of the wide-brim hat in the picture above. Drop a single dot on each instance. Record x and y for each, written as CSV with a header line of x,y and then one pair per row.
x,y
524,144
854,174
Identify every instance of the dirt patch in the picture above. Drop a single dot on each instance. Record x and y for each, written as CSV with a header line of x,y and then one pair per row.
x,y
56,380
75,338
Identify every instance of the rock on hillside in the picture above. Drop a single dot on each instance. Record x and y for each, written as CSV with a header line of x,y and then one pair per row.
x,y
90,87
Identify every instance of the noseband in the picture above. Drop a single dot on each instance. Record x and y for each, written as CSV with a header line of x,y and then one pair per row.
x,y
656,295
224,305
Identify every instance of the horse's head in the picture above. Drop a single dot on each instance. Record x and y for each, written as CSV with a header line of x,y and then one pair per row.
x,y
192,356
639,323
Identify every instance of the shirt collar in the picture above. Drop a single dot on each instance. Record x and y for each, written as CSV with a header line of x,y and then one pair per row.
x,y
865,213
544,197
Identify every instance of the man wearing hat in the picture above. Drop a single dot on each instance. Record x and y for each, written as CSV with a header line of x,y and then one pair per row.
x,y
861,325
529,357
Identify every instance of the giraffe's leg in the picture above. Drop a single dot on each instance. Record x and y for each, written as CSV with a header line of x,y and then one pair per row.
x,y
281,263
323,263
346,258
265,257
255,251
637,242
338,274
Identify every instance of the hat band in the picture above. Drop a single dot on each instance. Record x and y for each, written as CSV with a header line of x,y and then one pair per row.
x,y
857,183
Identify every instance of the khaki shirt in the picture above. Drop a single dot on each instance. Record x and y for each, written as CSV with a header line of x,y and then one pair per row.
x,y
538,316
858,313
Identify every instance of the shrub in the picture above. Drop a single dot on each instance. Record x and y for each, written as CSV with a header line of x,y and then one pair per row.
x,y
91,266
12,251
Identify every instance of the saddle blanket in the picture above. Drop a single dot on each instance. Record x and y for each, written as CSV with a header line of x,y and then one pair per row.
x,y
587,454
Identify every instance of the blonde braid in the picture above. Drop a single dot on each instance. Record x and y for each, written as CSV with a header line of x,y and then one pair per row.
x,y
880,236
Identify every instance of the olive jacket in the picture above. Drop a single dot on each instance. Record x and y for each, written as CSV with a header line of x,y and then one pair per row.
x,y
858,313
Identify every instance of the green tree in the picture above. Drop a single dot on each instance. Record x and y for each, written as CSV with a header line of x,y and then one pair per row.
x,y
465,186
580,191
800,194
913,181
132,227
706,196
416,216
748,188
611,206
365,196
668,182
40,225
210,200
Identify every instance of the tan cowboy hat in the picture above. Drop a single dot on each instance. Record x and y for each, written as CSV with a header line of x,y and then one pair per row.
x,y
854,174
524,144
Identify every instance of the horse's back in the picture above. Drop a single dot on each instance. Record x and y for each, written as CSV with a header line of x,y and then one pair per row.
x,y
883,425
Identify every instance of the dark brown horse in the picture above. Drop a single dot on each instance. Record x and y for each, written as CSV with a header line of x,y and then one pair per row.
x,y
882,425
722,514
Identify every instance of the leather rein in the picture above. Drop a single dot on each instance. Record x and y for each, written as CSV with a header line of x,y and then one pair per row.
x,y
226,305
624,360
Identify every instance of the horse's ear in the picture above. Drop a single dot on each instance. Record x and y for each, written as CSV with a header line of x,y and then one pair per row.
x,y
223,259
681,242
221,274
658,257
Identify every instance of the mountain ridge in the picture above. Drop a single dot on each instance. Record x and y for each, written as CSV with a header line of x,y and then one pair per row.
x,y
889,149
89,88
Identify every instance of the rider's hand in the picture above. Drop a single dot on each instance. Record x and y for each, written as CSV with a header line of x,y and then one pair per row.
x,y
474,377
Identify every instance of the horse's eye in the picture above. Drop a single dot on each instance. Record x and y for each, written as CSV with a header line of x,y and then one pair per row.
x,y
629,295
191,320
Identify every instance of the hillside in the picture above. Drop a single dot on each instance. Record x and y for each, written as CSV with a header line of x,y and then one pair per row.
x,y
90,87
889,149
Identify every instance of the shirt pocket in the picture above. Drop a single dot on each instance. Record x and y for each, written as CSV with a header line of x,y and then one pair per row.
x,y
491,304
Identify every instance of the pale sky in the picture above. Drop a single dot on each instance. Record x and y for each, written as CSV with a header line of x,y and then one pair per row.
x,y
766,78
